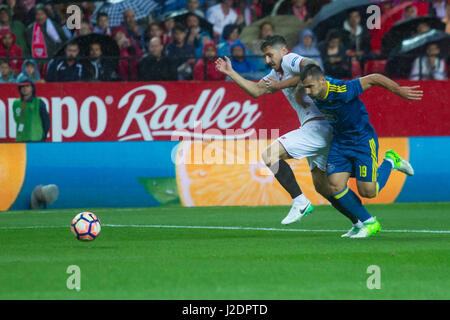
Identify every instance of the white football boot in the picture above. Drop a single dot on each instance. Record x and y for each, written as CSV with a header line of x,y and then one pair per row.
x,y
297,212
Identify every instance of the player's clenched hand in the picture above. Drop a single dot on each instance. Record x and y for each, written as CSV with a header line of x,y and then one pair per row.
x,y
271,85
224,66
410,93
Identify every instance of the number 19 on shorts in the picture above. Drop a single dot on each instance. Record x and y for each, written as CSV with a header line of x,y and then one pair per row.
x,y
363,171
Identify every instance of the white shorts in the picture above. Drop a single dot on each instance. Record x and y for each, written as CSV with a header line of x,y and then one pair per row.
x,y
310,141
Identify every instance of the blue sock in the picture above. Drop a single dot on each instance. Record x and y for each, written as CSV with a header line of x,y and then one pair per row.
x,y
383,174
351,202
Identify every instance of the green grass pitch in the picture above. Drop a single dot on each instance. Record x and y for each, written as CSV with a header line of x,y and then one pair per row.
x,y
226,253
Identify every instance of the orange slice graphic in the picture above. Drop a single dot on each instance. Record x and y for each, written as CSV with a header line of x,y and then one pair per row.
x,y
12,172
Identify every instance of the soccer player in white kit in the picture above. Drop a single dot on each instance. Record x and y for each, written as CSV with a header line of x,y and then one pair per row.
x,y
310,141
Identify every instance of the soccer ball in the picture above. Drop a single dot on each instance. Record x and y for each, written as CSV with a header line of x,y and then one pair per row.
x,y
86,226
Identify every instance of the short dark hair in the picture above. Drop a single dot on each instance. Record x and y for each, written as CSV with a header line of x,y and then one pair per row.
x,y
102,14
273,41
350,11
179,27
73,43
312,70
333,34
261,26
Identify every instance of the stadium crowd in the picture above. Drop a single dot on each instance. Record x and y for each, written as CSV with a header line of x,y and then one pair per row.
x,y
179,40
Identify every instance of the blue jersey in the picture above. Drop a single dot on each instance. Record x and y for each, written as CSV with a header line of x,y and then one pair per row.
x,y
345,111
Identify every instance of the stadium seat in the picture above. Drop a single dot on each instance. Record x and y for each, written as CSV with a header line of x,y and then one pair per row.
x,y
375,66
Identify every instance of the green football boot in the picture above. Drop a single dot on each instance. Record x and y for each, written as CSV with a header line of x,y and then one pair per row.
x,y
369,229
400,164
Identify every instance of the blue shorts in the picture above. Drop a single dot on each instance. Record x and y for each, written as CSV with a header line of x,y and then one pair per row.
x,y
360,159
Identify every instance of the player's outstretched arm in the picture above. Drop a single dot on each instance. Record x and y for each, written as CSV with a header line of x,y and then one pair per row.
x,y
254,89
375,79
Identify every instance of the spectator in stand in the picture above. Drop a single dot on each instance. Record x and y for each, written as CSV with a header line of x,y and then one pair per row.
x,y
135,31
99,68
129,51
423,27
230,34
30,114
85,28
27,7
17,10
299,9
196,36
194,7
7,21
6,74
356,38
385,5
240,63
155,66
265,29
67,68
181,53
248,12
30,72
52,12
409,12
220,15
88,8
9,49
167,36
446,20
154,30
307,47
429,67
439,8
205,69
332,52
102,25
44,36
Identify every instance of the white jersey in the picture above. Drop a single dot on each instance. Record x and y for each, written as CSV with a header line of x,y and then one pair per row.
x,y
290,66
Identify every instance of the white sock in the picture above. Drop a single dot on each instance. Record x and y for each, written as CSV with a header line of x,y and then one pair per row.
x,y
371,219
391,161
358,225
301,199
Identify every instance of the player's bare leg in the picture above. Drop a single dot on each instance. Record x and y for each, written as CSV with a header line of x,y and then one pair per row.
x,y
274,157
367,189
320,182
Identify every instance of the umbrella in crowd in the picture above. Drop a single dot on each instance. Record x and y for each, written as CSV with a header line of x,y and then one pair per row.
x,y
406,28
115,9
76,1
390,17
417,44
333,14
181,15
401,58
288,26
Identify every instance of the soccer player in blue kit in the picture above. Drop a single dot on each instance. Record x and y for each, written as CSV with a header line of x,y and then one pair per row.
x,y
354,148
